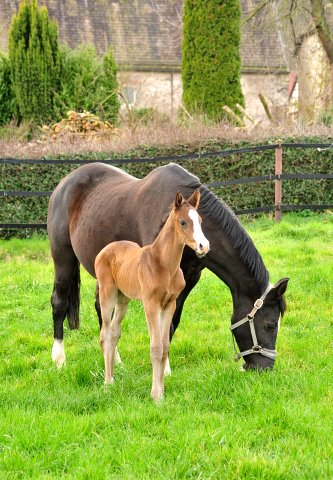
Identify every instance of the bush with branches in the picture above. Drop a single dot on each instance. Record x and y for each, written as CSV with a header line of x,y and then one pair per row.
x,y
87,83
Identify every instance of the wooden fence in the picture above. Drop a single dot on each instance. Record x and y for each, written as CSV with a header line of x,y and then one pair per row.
x,y
278,177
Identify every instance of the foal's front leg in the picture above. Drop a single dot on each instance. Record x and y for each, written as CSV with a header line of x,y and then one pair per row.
x,y
152,311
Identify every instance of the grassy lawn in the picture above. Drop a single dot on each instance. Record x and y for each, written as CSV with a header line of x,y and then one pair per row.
x,y
215,421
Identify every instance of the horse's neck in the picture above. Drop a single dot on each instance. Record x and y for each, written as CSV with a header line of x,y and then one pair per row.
x,y
246,278
168,247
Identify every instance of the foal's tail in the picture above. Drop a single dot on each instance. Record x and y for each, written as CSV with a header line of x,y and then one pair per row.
x,y
74,299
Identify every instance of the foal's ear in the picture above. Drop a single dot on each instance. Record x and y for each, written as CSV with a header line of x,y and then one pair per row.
x,y
194,199
178,200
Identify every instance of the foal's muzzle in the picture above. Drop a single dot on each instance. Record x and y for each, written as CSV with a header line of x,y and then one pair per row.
x,y
202,250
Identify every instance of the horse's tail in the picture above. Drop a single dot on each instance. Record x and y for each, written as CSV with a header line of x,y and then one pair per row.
x,y
74,299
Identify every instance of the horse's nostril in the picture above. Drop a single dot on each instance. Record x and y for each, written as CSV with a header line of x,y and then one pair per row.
x,y
200,246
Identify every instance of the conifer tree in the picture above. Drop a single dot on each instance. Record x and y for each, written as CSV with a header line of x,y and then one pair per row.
x,y
211,61
34,60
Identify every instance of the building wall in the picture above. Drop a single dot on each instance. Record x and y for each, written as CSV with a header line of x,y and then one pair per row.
x,y
153,89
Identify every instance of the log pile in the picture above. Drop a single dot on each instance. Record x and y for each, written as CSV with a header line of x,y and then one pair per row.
x,y
79,125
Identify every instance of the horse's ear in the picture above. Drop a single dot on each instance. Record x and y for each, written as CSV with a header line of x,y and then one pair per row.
x,y
178,200
280,288
194,199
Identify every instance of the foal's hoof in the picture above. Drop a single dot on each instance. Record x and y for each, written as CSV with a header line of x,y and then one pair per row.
x,y
109,382
58,353
157,397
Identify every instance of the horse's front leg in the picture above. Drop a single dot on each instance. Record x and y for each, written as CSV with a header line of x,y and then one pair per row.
x,y
153,311
191,282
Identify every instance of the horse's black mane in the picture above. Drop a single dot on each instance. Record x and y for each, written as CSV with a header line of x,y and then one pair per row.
x,y
220,213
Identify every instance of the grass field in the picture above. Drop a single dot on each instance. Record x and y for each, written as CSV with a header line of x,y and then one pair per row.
x,y
215,421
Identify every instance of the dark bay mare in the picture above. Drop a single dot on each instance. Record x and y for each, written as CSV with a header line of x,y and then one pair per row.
x,y
98,204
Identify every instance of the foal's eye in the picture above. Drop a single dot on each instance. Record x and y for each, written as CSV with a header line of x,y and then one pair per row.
x,y
183,223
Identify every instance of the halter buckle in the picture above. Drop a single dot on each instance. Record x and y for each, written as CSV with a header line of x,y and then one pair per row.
x,y
256,349
258,303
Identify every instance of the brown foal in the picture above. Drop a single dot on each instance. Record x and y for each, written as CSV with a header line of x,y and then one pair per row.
x,y
152,275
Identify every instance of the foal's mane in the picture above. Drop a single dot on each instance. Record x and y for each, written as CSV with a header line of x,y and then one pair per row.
x,y
221,214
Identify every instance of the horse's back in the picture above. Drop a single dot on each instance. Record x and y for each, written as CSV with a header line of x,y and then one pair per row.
x,y
98,204
70,197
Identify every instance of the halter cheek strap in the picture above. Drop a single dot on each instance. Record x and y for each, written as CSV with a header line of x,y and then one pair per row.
x,y
249,318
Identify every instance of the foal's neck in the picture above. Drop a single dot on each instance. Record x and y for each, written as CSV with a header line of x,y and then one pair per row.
x,y
168,246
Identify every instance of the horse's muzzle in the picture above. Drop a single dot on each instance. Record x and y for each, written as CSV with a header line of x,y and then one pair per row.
x,y
249,367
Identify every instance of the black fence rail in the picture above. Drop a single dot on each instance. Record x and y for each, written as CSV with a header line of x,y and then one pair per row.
x,y
277,177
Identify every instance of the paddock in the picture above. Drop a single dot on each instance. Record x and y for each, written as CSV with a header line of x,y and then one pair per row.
x,y
215,421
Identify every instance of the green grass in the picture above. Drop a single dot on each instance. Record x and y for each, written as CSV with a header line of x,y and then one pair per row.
x,y
215,421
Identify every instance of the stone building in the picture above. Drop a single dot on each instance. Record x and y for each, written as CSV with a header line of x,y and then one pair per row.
x,y
146,37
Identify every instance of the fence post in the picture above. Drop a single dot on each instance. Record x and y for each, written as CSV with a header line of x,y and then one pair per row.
x,y
278,183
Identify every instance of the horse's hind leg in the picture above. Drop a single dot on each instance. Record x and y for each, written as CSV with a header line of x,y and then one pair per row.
x,y
64,300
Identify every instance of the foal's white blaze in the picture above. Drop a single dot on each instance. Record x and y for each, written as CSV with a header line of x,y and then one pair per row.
x,y
198,235
58,353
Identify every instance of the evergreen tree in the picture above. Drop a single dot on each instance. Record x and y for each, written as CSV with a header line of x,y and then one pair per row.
x,y
7,99
211,61
34,61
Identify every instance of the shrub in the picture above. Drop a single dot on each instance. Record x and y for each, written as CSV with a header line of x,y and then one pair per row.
x,y
87,83
34,61
211,61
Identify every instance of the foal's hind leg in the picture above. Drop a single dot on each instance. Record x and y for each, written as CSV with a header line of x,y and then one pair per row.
x,y
99,315
108,298
64,300
119,314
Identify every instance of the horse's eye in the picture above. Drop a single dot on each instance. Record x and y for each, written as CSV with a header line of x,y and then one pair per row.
x,y
270,326
183,223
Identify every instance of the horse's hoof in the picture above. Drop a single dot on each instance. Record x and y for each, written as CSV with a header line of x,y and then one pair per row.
x,y
58,353
167,369
117,358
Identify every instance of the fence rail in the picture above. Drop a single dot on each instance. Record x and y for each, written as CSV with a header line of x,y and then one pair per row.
x,y
277,177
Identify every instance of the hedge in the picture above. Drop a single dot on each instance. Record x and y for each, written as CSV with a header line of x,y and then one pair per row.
x,y
253,164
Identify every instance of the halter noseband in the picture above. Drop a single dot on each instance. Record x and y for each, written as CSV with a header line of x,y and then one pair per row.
x,y
249,318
